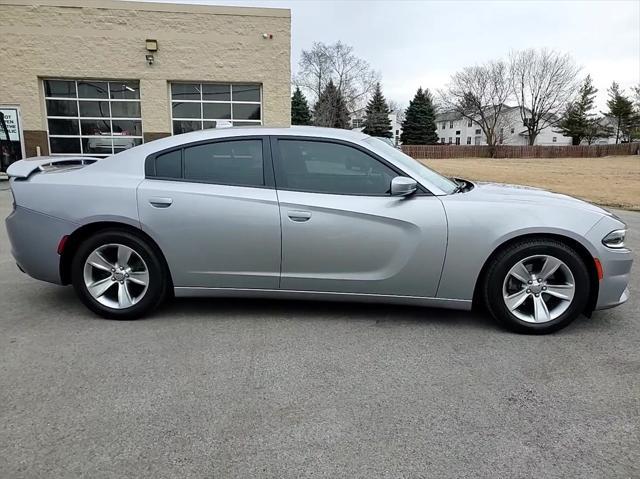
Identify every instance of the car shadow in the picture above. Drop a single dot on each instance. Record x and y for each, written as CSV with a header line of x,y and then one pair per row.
x,y
381,315
64,301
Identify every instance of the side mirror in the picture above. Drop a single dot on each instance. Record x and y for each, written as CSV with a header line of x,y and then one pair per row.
x,y
403,186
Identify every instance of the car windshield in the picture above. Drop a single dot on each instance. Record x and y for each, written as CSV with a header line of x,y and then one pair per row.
x,y
445,184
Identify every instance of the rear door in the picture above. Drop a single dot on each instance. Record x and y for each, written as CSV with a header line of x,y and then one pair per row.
x,y
213,210
343,232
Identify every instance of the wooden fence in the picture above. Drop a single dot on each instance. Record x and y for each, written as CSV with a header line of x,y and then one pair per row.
x,y
511,151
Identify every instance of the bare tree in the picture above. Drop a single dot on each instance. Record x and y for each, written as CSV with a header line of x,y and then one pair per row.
x,y
352,76
543,82
479,94
397,108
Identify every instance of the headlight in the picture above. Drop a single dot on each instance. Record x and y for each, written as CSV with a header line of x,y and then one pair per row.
x,y
615,239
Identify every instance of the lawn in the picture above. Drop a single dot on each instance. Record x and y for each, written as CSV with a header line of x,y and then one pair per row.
x,y
610,181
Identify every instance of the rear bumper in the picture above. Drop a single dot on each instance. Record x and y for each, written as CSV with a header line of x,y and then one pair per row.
x,y
34,239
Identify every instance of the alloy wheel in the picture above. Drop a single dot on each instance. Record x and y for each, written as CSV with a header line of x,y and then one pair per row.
x,y
116,276
538,289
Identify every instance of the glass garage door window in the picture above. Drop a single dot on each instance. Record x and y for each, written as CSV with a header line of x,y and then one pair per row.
x,y
92,117
198,106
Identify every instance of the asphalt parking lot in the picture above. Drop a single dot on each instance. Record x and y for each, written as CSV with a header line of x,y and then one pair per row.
x,y
284,389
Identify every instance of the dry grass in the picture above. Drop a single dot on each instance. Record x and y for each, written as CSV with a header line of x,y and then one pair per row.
x,y
609,181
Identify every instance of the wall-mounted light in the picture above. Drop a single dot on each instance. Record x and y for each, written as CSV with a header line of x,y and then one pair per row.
x,y
150,59
152,45
267,36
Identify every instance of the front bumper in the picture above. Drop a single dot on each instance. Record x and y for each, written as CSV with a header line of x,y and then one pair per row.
x,y
34,239
616,268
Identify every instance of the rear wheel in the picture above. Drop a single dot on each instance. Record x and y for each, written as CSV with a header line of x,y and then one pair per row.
x,y
118,275
537,286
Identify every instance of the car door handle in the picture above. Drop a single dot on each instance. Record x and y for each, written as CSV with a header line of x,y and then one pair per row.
x,y
299,216
157,202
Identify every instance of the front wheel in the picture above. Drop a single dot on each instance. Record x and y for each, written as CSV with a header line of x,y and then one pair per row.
x,y
537,286
118,275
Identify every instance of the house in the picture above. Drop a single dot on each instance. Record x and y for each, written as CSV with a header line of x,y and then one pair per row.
x,y
357,123
454,129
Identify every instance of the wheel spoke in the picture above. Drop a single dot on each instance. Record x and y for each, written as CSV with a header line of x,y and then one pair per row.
x,y
98,288
520,272
514,300
124,253
561,291
549,267
540,310
122,260
124,298
139,277
98,261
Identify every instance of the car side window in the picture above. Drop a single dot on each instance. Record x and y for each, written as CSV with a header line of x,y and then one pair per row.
x,y
326,167
169,165
237,162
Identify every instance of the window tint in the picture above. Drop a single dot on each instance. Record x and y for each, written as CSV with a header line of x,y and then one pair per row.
x,y
331,168
229,162
169,165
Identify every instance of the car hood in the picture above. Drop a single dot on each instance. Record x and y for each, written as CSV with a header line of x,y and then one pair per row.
x,y
500,192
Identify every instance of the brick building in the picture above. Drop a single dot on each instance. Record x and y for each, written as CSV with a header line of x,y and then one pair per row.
x,y
92,77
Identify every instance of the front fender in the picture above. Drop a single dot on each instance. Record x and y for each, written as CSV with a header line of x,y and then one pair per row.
x,y
478,229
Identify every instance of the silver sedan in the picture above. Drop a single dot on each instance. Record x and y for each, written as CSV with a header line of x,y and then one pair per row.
x,y
309,213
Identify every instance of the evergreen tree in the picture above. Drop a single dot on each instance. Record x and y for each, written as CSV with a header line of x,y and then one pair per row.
x,y
622,112
300,114
376,121
419,125
578,121
331,109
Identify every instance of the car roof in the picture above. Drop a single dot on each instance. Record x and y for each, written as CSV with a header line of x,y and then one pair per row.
x,y
216,133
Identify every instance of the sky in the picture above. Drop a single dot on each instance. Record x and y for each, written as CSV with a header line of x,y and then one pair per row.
x,y
421,43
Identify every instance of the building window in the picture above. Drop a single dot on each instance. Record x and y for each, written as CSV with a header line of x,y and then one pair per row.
x,y
476,140
513,130
457,132
357,123
450,124
444,125
442,140
457,140
477,131
526,121
468,140
450,140
198,106
554,139
470,123
92,117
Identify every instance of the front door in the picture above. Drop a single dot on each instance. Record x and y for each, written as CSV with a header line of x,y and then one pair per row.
x,y
214,214
343,232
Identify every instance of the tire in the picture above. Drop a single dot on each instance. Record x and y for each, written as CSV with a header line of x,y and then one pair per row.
x,y
505,284
143,275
